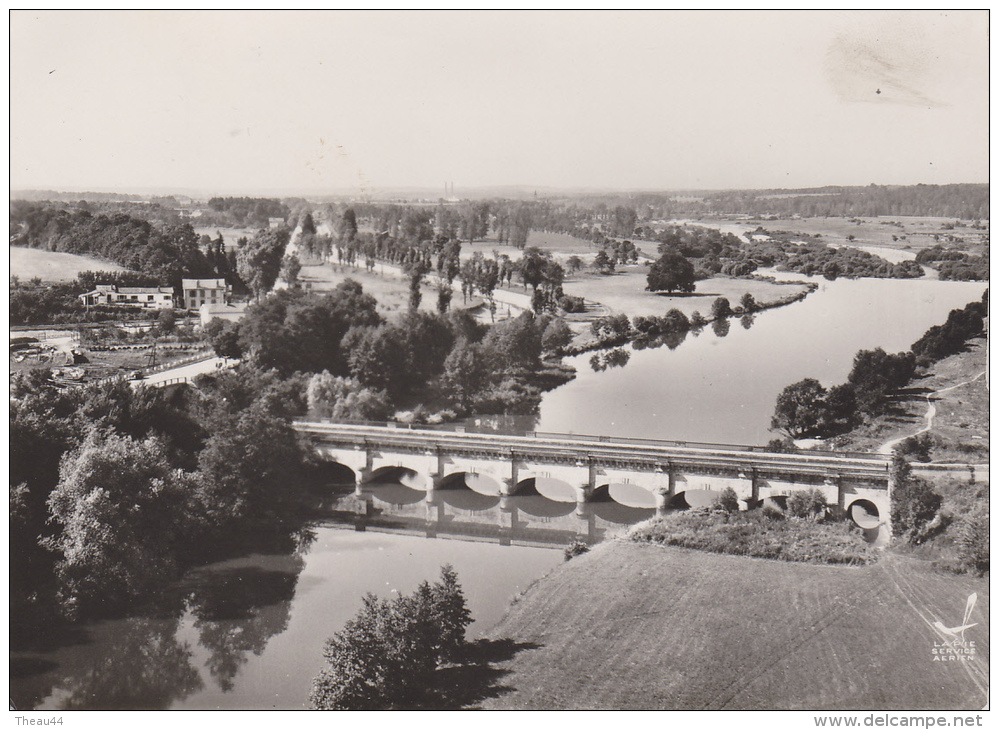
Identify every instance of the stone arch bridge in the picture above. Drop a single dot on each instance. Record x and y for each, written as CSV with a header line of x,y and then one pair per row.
x,y
567,467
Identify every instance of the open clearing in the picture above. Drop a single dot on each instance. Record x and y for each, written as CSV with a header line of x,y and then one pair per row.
x,y
52,266
630,626
391,291
624,292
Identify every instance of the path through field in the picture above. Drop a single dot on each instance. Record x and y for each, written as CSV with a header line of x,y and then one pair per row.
x,y
931,411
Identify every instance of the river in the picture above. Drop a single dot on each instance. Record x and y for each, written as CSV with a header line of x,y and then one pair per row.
x,y
248,633
720,386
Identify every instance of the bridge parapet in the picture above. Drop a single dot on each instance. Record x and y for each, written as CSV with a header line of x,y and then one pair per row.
x,y
642,456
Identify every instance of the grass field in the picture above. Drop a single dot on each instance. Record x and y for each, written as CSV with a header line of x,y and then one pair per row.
x,y
229,235
624,292
630,626
392,292
51,266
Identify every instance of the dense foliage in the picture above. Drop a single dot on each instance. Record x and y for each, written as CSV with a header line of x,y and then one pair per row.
x,y
115,489
416,356
952,264
166,253
759,533
388,655
672,272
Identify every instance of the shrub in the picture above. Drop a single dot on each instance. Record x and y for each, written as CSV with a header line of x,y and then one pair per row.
x,y
697,320
972,539
756,534
918,447
576,547
914,504
810,504
572,304
728,500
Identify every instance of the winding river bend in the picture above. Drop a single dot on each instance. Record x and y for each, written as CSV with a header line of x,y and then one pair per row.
x,y
248,633
720,386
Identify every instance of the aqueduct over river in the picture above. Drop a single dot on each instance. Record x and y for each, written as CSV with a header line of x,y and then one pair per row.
x,y
568,467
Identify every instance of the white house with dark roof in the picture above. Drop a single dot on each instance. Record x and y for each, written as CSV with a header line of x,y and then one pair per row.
x,y
145,297
204,291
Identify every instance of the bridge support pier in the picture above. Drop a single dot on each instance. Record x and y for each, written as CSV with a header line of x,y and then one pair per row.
x,y
662,501
360,481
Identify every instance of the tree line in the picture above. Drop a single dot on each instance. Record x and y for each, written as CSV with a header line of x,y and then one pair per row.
x,y
808,409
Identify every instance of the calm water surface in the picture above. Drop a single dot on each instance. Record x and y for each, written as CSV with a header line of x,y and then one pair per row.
x,y
249,633
721,386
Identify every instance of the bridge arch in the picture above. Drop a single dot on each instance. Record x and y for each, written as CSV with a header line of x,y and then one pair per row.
x,y
397,475
619,514
481,483
694,498
626,494
536,505
468,500
338,474
865,514
555,489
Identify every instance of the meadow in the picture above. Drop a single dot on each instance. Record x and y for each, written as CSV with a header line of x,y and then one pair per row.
x,y
644,627
52,266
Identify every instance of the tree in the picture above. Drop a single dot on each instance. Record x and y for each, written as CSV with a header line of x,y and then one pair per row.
x,y
258,260
466,372
290,269
373,354
444,294
573,264
748,303
307,225
249,468
799,408
671,273
293,330
603,263
556,335
330,396
721,308
223,337
388,654
121,508
166,320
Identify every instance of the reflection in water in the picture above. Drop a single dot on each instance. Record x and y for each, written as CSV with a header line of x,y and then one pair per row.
x,y
548,514
238,608
672,340
616,358
747,320
721,326
248,632
139,665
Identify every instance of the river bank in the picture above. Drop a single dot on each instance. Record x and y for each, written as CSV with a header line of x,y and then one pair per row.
x,y
630,626
950,403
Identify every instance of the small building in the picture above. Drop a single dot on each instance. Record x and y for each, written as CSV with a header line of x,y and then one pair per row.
x,y
144,297
196,292
229,312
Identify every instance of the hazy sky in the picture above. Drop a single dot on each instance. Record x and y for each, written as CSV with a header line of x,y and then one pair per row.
x,y
234,102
